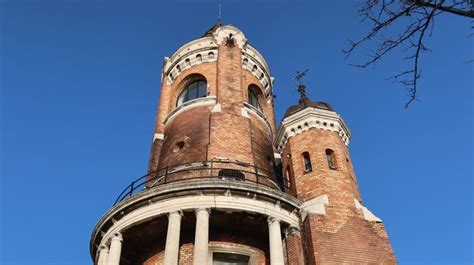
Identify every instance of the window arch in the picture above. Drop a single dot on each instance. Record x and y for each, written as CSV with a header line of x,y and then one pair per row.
x,y
253,97
193,90
331,158
307,162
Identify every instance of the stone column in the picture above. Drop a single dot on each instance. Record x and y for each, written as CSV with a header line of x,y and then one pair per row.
x,y
172,238
276,245
115,249
201,240
103,255
294,246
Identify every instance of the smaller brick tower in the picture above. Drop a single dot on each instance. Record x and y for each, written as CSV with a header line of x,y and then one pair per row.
x,y
313,141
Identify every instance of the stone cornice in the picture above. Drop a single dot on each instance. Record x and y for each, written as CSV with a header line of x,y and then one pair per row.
x,y
198,51
311,118
149,196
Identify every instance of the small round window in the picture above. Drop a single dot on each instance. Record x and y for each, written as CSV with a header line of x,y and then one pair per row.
x,y
193,90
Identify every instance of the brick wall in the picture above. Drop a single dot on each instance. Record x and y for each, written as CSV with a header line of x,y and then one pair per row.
x,y
342,235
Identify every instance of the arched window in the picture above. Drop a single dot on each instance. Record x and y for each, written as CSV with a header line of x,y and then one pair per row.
x,y
196,89
288,177
307,162
331,158
254,99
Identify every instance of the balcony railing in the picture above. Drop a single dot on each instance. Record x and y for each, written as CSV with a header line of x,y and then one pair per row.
x,y
219,170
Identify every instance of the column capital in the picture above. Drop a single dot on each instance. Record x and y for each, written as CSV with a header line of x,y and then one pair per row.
x,y
180,213
272,220
103,248
292,229
117,236
208,210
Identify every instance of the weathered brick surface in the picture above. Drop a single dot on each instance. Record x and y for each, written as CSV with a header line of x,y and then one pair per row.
x,y
357,241
339,184
342,235
208,135
294,249
190,128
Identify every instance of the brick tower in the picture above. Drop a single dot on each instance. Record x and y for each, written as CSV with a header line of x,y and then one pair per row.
x,y
225,187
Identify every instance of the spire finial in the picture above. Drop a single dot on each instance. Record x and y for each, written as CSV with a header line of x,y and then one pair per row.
x,y
301,86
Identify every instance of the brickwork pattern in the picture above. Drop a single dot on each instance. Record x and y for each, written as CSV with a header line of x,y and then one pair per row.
x,y
294,249
342,235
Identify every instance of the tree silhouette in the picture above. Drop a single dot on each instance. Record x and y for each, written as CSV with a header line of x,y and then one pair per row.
x,y
418,17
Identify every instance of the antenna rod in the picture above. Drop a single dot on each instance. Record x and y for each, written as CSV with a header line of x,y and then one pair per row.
x,y
220,12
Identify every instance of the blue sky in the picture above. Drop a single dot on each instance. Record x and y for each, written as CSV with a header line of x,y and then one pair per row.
x,y
79,90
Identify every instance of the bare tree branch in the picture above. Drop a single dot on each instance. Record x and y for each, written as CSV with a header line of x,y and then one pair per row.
x,y
418,18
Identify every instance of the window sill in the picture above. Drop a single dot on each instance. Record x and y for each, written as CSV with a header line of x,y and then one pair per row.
x,y
197,102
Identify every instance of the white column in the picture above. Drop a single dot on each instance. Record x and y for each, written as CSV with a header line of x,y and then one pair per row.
x,y
172,238
276,245
201,240
115,250
103,255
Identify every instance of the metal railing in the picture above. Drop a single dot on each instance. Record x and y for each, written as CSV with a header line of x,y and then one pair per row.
x,y
216,169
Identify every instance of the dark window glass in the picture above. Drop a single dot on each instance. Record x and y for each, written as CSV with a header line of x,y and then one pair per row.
x,y
196,89
331,158
253,98
220,258
307,162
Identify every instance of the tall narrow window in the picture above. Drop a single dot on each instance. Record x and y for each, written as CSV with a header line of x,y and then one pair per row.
x,y
254,98
288,177
307,162
331,158
196,89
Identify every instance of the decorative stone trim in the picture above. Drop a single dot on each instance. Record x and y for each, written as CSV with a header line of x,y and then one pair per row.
x,y
158,136
314,206
257,113
292,230
259,70
198,102
368,215
234,248
190,59
189,203
206,43
217,108
311,118
187,56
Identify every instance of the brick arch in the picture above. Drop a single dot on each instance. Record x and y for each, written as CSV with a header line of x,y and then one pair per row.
x,y
258,89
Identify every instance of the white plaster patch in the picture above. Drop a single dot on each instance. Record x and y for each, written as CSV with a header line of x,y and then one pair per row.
x,y
244,113
158,136
368,215
315,205
217,108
